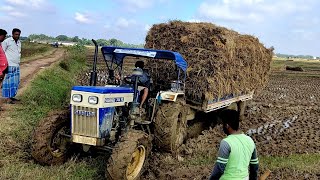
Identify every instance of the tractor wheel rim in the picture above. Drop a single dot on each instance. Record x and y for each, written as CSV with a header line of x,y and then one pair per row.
x,y
137,160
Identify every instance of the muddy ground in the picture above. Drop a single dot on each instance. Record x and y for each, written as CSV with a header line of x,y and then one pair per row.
x,y
283,119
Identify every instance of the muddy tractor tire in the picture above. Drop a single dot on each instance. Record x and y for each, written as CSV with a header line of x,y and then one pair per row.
x,y
129,157
49,147
170,129
241,109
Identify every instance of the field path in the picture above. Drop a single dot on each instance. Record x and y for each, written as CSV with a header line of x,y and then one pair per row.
x,y
30,69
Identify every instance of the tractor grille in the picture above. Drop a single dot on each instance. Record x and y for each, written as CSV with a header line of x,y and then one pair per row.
x,y
85,121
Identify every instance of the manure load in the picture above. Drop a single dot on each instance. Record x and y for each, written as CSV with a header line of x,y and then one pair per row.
x,y
221,62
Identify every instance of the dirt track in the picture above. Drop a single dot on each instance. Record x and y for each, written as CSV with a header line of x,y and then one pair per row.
x,y
30,69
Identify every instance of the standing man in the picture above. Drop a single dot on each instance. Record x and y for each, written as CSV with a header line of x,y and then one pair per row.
x,y
12,49
3,58
236,153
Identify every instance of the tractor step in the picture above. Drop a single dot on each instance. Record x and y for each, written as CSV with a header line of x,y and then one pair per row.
x,y
143,122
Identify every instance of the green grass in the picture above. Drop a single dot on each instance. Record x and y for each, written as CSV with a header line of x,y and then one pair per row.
x,y
308,65
49,91
300,163
73,169
30,50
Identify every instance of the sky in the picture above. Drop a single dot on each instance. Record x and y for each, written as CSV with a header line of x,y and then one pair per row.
x,y
291,26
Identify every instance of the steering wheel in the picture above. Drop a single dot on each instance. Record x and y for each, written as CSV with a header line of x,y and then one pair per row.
x,y
127,80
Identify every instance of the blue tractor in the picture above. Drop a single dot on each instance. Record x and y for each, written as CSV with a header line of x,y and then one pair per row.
x,y
109,119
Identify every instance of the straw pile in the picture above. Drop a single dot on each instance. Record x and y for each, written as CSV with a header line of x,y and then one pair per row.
x,y
221,62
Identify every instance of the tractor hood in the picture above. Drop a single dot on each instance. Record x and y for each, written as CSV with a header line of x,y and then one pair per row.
x,y
103,89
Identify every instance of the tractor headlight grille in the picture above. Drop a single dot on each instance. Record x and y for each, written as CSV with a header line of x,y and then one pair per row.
x,y
85,121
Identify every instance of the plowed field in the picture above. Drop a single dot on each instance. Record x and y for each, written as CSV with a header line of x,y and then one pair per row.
x,y
283,120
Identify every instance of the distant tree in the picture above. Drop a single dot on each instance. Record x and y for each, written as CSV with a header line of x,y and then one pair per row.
x,y
102,42
62,38
75,39
23,38
113,42
85,41
40,37
82,41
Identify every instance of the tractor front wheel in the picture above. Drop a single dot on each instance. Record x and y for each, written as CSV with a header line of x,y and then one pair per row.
x,y
129,157
50,146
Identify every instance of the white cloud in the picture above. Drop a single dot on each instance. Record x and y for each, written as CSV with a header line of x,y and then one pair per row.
x,y
16,2
82,18
124,23
141,4
17,14
147,27
7,8
247,2
194,20
5,19
107,26
25,8
136,5
250,10
11,11
226,11
28,3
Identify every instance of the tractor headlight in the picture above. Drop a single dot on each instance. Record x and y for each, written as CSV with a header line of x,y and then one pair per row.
x,y
93,100
169,97
77,98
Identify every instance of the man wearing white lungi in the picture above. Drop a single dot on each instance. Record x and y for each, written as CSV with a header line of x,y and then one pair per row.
x,y
12,49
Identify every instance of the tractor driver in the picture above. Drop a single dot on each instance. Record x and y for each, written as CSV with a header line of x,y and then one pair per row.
x,y
143,82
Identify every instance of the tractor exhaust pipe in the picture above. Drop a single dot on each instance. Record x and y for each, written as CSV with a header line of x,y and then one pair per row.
x,y
93,76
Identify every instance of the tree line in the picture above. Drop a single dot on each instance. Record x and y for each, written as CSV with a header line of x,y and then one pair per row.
x,y
81,41
296,56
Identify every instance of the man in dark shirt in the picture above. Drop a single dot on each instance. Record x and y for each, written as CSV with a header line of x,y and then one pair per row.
x,y
143,82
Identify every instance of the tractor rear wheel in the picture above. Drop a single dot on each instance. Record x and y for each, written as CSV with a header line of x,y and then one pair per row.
x,y
171,126
240,107
49,146
129,157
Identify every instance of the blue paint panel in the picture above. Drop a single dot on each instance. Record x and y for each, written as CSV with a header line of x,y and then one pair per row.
x,y
105,121
103,90
157,54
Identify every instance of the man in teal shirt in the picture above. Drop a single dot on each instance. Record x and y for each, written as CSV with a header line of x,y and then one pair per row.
x,y
237,152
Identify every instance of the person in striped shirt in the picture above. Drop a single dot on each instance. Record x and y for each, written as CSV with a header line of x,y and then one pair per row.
x,y
237,156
